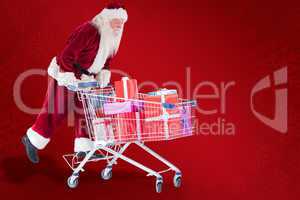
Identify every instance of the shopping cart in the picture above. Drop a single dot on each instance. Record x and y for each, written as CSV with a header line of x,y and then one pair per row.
x,y
114,124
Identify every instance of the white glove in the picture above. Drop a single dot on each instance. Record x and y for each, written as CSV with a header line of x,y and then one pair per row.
x,y
66,78
53,69
87,78
103,77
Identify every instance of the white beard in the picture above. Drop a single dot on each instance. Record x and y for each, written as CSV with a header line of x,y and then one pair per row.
x,y
110,39
109,43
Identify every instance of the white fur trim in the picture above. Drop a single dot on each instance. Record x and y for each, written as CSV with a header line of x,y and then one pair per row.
x,y
36,139
103,77
83,144
119,13
99,60
62,78
103,51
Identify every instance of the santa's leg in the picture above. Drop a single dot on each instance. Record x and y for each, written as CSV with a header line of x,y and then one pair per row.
x,y
83,144
82,141
54,110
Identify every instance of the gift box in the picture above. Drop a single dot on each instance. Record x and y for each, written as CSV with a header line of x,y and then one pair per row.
x,y
117,108
122,107
161,129
162,92
169,98
126,88
154,105
186,119
128,127
99,98
120,129
162,115
103,129
113,108
125,119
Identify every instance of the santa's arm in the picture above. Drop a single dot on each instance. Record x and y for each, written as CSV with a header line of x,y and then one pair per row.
x,y
62,67
68,58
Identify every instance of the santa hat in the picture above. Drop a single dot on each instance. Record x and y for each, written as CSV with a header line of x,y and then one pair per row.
x,y
114,10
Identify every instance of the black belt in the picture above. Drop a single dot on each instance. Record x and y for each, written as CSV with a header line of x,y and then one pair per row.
x,y
81,70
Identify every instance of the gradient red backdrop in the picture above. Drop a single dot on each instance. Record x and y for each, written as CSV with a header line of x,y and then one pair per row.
x,y
240,41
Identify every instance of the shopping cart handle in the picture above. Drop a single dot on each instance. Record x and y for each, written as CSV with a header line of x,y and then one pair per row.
x,y
82,85
72,88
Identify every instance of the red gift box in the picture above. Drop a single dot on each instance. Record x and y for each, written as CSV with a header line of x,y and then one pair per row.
x,y
126,119
128,127
153,109
161,130
126,88
161,122
120,129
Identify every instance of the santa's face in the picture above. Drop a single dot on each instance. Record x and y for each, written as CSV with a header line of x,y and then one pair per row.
x,y
116,25
111,30
111,33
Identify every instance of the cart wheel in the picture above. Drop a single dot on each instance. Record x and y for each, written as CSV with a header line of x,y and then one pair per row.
x,y
106,173
177,180
73,182
158,185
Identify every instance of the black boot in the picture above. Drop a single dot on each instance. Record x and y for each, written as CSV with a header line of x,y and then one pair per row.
x,y
31,151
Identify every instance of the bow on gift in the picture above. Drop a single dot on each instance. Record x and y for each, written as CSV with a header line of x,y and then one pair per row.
x,y
186,119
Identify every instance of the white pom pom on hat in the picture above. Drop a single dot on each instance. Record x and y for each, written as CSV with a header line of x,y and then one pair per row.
x,y
114,10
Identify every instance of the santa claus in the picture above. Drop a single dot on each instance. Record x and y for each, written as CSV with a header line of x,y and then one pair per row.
x,y
86,56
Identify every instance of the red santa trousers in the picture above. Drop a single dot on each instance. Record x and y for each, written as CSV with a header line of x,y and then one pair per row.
x,y
58,102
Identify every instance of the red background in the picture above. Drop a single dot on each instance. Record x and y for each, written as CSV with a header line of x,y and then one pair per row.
x,y
240,41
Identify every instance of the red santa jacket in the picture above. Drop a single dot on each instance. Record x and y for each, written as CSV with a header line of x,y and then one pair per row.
x,y
82,48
